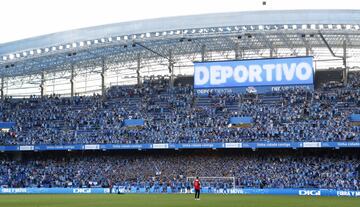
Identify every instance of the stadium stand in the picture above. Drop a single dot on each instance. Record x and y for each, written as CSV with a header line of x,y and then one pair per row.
x,y
157,113
177,115
156,171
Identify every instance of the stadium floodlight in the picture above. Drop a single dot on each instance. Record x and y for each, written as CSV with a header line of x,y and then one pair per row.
x,y
236,28
88,42
261,27
53,48
178,32
67,46
193,31
134,37
17,55
244,28
157,34
148,34
338,26
4,58
228,29
313,26
220,29
330,26
252,27
286,26
126,37
81,44
357,26
74,45
110,39
24,54
294,26
61,47
11,56
102,40
38,51
96,41
185,31
46,49
304,26
118,38
321,26
348,26
142,36
31,52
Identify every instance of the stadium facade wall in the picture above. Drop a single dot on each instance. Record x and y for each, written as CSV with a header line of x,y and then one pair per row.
x,y
268,191
219,145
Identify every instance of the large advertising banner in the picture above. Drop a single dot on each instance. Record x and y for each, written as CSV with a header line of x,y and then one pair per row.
x,y
259,72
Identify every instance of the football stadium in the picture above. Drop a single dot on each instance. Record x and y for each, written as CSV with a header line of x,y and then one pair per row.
x,y
251,108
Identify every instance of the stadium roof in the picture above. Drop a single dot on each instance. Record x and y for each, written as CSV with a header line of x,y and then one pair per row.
x,y
183,35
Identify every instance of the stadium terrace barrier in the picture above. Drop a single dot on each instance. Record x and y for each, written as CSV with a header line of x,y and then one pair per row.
x,y
267,191
249,145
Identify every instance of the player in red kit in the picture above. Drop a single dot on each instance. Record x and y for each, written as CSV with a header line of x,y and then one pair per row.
x,y
197,187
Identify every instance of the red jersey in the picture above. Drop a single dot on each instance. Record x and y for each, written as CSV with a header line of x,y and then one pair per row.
x,y
197,184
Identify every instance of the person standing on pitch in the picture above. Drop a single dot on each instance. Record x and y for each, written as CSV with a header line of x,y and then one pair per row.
x,y
197,187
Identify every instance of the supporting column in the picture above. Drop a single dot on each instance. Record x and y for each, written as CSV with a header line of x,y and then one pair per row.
x,y
238,54
203,53
271,53
138,70
42,84
171,69
345,73
72,91
103,70
2,88
307,51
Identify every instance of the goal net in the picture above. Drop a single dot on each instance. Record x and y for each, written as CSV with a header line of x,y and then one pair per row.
x,y
214,184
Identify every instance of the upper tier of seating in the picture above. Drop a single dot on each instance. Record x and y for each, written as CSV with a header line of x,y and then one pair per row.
x,y
177,115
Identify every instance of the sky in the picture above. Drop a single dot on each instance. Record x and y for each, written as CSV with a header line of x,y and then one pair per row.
x,y
21,19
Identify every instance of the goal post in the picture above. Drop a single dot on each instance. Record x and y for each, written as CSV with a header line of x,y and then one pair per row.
x,y
214,182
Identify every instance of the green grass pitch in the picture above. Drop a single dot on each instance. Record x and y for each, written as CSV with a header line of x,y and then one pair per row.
x,y
174,200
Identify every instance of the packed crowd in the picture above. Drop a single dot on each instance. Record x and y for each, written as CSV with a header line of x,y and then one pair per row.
x,y
177,115
155,170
